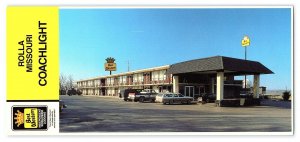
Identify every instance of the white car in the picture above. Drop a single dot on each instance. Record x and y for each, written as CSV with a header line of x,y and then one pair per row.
x,y
159,98
172,98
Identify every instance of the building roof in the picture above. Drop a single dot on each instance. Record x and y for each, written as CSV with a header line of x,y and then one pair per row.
x,y
219,63
205,65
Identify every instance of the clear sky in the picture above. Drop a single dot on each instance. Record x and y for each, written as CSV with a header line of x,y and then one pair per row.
x,y
154,37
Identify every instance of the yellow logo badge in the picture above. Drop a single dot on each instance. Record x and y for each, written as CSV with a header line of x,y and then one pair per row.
x,y
246,41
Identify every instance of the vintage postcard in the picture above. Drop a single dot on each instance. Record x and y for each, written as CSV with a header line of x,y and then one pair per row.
x,y
149,70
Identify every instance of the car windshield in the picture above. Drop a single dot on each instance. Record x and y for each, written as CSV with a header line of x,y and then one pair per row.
x,y
168,95
180,95
175,95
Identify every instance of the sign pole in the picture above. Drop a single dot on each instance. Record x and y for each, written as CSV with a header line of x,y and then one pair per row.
x,y
245,44
109,72
245,74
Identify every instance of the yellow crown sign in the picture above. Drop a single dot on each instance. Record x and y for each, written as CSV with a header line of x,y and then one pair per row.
x,y
246,41
19,118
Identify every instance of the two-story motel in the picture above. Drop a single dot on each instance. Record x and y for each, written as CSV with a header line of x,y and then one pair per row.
x,y
191,78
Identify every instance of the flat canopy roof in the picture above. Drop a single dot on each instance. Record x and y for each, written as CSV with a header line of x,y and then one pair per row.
x,y
219,63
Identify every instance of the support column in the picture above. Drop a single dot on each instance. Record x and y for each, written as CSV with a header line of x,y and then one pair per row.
x,y
175,84
220,85
213,85
256,81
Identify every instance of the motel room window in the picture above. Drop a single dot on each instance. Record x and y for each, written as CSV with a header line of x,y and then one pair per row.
x,y
135,77
124,79
120,79
197,90
155,75
141,78
160,89
162,75
112,80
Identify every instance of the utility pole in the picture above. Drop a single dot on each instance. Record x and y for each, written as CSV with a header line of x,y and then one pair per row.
x,y
128,66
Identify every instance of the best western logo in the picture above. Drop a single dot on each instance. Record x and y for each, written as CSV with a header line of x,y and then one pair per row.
x,y
110,67
29,118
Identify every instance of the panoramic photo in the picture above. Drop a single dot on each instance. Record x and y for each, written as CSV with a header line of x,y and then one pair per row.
x,y
176,70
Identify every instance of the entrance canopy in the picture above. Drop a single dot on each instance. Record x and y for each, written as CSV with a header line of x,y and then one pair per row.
x,y
219,64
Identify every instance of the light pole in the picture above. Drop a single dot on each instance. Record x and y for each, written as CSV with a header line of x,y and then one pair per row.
x,y
245,44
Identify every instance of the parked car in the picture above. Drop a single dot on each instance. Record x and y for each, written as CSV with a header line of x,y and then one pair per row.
x,y
142,96
208,98
173,98
124,93
62,92
74,92
246,95
159,97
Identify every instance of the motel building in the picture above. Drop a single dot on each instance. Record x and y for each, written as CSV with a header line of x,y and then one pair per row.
x,y
194,77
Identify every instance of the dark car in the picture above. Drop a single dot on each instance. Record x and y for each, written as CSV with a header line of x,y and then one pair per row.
x,y
62,92
74,92
208,98
125,92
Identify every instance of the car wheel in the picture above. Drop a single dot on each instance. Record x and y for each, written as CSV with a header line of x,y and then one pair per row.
x,y
207,100
170,102
188,102
142,99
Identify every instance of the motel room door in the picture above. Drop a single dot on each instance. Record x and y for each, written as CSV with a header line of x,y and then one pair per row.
x,y
189,91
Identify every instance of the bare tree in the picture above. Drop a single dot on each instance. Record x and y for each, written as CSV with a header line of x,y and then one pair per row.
x,y
62,84
65,83
70,82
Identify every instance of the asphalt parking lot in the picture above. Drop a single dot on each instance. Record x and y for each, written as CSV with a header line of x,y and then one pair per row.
x,y
107,114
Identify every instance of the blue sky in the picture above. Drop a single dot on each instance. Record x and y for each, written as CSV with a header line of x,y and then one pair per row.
x,y
154,37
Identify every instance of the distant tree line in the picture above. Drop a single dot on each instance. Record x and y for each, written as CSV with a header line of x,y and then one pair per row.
x,y
66,86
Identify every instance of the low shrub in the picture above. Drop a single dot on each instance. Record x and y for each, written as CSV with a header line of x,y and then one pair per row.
x,y
286,95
